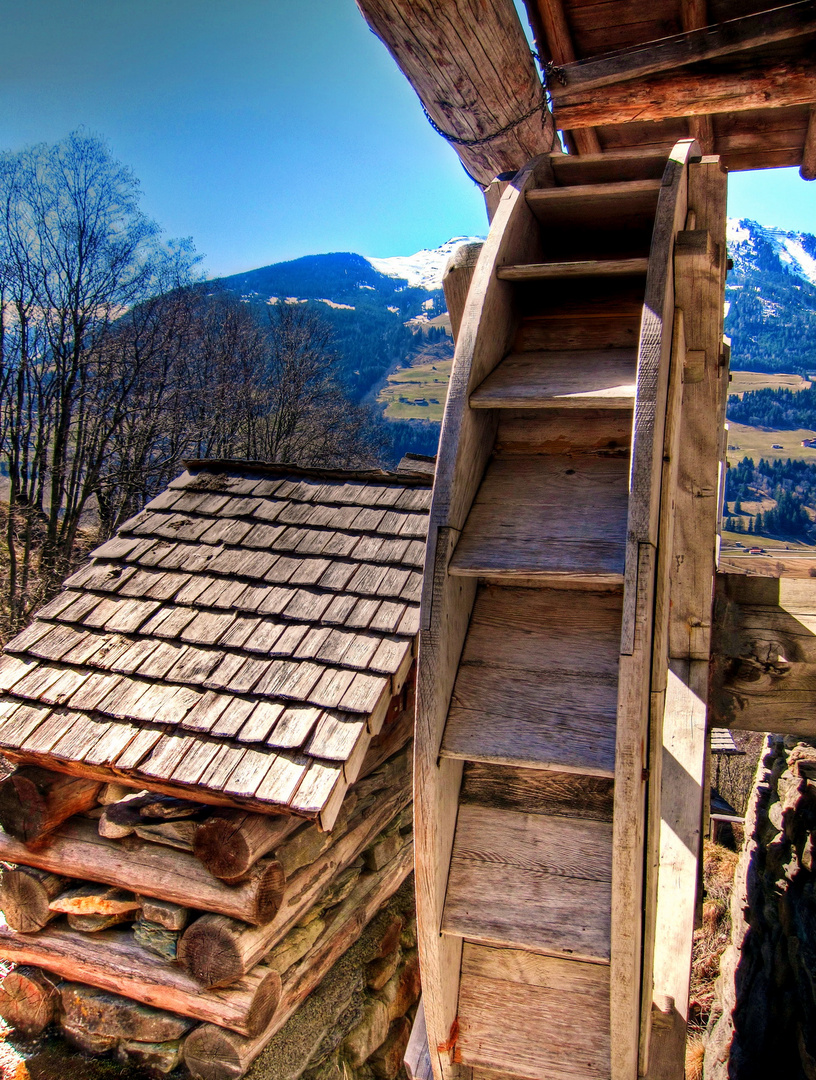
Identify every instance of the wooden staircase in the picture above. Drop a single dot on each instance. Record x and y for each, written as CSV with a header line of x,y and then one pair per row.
x,y
545,623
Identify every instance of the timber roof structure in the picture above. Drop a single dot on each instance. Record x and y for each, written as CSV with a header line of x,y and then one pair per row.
x,y
737,75
243,637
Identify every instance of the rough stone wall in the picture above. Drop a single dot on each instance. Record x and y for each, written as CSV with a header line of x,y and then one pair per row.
x,y
355,1025
764,1019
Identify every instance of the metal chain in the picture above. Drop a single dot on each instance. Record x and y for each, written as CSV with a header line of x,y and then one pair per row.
x,y
456,141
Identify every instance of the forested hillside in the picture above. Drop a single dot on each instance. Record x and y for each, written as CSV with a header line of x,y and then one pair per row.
x,y
772,498
771,299
781,409
366,309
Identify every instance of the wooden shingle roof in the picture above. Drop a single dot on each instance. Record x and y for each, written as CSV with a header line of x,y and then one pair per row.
x,y
243,636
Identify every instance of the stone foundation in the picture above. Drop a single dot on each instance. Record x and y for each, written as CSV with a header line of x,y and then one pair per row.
x,y
764,1020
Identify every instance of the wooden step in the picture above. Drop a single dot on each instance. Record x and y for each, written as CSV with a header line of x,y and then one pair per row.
x,y
551,874
611,207
537,681
533,1016
537,791
603,313
585,268
552,518
609,167
576,379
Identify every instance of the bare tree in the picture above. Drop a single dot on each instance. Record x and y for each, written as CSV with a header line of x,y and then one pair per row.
x,y
76,254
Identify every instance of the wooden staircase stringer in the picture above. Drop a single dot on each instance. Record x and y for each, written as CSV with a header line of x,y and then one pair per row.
x,y
634,684
678,756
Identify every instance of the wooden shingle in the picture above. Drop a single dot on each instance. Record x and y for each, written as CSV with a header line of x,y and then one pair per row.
x,y
241,636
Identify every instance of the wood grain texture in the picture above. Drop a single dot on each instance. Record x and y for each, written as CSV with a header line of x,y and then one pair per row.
x,y
537,684
683,779
551,1001
465,446
77,850
664,96
474,74
654,359
569,380
212,1053
738,35
538,516
552,873
586,268
537,791
111,961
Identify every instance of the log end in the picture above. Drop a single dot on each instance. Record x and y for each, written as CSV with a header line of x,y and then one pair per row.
x,y
29,1000
211,1053
209,949
223,849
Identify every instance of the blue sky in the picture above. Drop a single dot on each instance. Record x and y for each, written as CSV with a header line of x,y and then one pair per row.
x,y
264,129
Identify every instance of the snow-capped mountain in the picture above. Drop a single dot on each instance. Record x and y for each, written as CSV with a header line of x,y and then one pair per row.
x,y
424,269
753,246
771,298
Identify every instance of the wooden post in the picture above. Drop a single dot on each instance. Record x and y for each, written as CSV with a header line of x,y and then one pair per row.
x,y
808,168
456,282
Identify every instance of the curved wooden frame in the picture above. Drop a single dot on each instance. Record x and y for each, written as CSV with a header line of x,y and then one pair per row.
x,y
634,680
465,446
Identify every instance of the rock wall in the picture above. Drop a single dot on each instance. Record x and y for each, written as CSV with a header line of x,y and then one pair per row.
x,y
764,1019
355,1025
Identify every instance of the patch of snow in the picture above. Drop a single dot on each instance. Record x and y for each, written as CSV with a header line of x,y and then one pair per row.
x,y
392,308
331,303
294,300
424,269
726,308
427,305
746,239
370,287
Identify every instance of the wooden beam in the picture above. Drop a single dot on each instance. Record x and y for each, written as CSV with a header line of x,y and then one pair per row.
x,y
554,41
694,16
690,47
763,654
701,128
471,66
807,169
686,95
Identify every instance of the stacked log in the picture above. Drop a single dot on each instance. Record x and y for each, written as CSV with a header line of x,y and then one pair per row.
x,y
168,931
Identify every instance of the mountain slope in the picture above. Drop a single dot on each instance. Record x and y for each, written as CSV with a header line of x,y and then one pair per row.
x,y
771,299
367,308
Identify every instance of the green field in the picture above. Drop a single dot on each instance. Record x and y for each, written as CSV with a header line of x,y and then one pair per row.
x,y
418,392
759,380
756,443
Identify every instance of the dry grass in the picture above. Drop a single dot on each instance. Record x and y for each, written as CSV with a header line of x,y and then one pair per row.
x,y
710,940
695,1052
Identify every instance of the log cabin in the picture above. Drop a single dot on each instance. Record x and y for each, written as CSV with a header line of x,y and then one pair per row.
x,y
567,629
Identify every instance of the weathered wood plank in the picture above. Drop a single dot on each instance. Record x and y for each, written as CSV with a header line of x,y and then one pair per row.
x,y
553,875
560,1011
